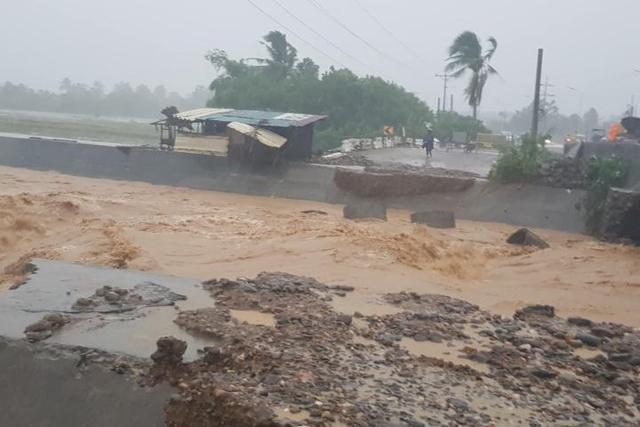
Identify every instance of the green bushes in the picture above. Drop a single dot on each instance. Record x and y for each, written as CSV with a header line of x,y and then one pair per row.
x,y
520,163
601,174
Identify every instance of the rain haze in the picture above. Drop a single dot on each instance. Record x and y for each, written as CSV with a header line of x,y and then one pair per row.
x,y
268,213
588,44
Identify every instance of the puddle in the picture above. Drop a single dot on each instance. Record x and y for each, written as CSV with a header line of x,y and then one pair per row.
x,y
368,305
441,351
253,317
57,285
286,415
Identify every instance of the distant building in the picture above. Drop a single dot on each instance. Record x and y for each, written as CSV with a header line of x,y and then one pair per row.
x,y
208,130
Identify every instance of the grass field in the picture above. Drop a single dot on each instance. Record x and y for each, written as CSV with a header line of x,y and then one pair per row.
x,y
78,127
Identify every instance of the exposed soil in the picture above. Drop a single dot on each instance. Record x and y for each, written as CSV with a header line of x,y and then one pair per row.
x,y
438,361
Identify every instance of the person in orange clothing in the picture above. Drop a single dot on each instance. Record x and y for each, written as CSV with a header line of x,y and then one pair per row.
x,y
614,131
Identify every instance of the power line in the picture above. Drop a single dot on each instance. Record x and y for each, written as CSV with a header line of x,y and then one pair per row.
x,y
324,10
385,28
265,13
319,34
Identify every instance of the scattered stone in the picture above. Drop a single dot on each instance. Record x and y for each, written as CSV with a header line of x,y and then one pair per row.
x,y
344,318
525,347
344,288
45,327
589,339
458,404
604,332
170,351
535,311
112,297
84,302
544,374
579,321
527,237
108,299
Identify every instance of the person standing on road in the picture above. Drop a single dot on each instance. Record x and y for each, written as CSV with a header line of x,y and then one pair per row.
x,y
428,144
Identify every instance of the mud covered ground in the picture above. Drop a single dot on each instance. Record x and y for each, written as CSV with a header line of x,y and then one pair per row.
x,y
285,356
373,323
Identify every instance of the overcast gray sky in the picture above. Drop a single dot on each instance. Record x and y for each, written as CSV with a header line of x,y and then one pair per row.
x,y
590,45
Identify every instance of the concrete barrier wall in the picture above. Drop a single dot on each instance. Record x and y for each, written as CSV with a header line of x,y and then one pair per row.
x,y
521,205
629,152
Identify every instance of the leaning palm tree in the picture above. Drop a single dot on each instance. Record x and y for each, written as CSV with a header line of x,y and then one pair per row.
x,y
282,54
466,54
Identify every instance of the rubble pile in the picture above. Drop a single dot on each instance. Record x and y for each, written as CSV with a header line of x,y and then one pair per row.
x,y
45,327
111,299
435,361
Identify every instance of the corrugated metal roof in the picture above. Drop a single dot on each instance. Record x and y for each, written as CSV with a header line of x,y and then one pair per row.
x,y
266,137
198,113
264,118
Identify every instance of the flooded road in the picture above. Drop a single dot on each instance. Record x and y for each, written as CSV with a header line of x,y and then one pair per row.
x,y
56,286
203,235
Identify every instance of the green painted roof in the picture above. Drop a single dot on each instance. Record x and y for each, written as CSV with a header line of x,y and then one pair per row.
x,y
264,118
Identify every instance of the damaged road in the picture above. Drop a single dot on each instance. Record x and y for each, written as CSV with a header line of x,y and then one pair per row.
x,y
438,361
278,350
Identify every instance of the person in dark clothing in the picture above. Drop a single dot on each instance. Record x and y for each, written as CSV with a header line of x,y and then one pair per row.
x,y
428,144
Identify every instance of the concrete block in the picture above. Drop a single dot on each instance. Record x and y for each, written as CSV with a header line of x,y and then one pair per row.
x,y
436,219
360,209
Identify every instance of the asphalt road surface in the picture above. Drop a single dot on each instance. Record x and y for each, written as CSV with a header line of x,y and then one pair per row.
x,y
479,162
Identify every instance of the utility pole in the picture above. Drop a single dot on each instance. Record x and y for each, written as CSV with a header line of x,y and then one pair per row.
x,y
445,78
451,104
438,106
547,85
536,98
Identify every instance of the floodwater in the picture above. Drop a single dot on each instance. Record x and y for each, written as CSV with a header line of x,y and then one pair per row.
x,y
57,285
443,350
367,305
204,235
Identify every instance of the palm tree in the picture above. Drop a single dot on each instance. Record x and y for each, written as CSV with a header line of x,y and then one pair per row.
x,y
282,54
466,54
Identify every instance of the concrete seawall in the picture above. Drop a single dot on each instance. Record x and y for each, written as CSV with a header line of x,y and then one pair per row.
x,y
522,205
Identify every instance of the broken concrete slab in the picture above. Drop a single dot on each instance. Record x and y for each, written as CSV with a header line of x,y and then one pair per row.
x,y
365,209
526,237
385,184
437,219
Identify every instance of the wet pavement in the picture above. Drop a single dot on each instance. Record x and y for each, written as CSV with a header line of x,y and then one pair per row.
x,y
56,287
479,162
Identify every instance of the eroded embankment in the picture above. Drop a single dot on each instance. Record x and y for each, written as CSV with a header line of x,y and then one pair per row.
x,y
530,206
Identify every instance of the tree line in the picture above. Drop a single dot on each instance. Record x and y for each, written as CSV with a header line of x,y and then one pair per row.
x,y
553,123
356,106
123,100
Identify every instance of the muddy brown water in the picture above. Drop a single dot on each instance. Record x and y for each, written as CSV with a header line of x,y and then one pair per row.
x,y
57,285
